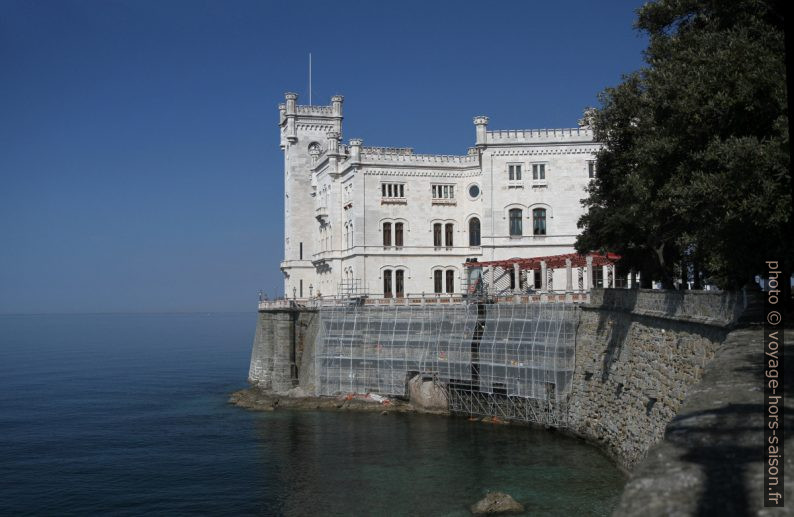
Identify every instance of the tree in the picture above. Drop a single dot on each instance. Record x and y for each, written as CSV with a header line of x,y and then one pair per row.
x,y
694,171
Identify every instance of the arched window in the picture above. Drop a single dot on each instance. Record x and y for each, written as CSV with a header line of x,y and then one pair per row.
x,y
437,279
387,289
539,221
437,234
474,232
450,281
448,234
399,281
515,222
398,234
387,234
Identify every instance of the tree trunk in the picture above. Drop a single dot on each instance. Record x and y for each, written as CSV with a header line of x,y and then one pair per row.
x,y
697,284
667,278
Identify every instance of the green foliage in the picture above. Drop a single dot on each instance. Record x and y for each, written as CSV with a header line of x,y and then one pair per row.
x,y
695,164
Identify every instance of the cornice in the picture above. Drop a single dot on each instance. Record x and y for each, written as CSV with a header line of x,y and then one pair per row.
x,y
424,173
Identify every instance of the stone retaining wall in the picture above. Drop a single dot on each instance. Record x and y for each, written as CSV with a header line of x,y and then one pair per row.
x,y
282,356
632,374
638,353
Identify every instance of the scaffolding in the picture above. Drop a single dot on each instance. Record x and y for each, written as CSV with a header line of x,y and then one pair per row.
x,y
363,349
510,360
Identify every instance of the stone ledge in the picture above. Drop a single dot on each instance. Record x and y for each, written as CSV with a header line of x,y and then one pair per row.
x,y
711,461
711,322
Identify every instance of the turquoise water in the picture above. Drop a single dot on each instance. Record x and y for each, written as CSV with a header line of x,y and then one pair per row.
x,y
127,414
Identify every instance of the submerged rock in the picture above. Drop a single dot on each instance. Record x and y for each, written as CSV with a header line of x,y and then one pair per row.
x,y
496,502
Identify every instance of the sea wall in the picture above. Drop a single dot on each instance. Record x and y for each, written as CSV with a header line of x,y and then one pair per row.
x,y
282,355
637,355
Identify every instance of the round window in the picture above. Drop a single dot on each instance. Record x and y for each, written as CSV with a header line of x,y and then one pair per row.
x,y
474,191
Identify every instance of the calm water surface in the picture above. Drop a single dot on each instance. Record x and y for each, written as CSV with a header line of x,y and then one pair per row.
x,y
127,414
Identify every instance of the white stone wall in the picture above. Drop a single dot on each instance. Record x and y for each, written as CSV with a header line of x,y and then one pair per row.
x,y
335,206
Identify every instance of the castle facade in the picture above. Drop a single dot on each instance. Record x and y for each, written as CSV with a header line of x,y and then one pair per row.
x,y
385,221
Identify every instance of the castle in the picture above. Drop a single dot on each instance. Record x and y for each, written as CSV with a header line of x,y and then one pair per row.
x,y
391,223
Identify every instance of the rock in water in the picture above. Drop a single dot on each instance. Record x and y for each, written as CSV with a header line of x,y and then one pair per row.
x,y
426,395
496,502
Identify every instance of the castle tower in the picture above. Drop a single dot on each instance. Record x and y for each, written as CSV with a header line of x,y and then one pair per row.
x,y
304,136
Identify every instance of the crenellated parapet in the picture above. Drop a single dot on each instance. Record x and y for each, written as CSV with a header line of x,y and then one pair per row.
x,y
315,111
295,119
538,136
420,159
387,150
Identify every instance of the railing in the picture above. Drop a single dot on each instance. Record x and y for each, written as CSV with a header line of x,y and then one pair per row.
x,y
415,299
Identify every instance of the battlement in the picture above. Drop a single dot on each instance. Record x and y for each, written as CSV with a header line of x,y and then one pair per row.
x,y
440,159
388,150
315,111
537,136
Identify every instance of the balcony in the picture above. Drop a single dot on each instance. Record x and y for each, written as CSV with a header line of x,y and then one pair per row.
x,y
321,212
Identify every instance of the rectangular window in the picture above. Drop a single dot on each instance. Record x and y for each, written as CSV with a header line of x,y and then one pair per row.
x,y
538,171
515,222
399,281
392,190
448,234
300,291
301,251
437,279
387,234
398,234
591,169
437,234
450,282
514,172
538,281
387,292
443,192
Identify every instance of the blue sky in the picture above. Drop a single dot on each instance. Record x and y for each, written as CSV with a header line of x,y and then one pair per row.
x,y
139,159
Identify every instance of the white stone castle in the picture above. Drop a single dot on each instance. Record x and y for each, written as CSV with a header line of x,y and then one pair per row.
x,y
387,222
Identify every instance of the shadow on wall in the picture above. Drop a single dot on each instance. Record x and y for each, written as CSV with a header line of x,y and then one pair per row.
x,y
617,333
723,461
739,431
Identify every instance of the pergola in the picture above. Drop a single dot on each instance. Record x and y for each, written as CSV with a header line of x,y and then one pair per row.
x,y
509,270
554,261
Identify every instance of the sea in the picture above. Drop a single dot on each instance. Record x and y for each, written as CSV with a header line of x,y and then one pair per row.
x,y
128,414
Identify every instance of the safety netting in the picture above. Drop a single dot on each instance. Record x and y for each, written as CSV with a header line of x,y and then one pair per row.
x,y
509,349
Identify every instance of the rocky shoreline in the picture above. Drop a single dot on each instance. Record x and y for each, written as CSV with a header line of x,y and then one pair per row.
x,y
257,399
